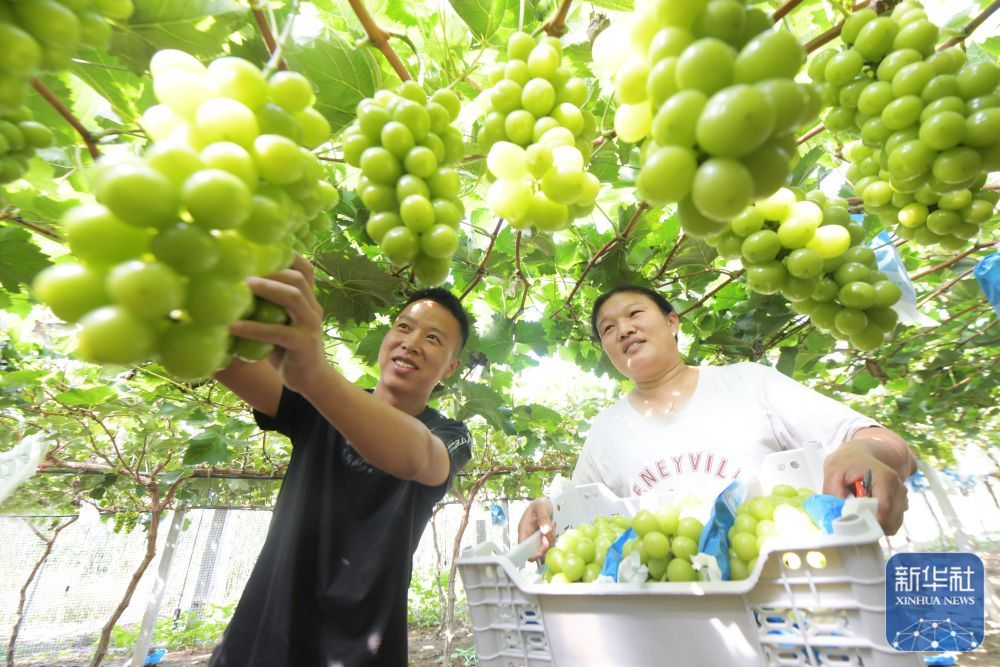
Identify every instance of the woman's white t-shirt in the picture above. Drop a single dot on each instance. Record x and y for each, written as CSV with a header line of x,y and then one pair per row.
x,y
736,416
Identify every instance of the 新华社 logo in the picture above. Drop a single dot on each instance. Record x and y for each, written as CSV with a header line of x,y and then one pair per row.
x,y
934,602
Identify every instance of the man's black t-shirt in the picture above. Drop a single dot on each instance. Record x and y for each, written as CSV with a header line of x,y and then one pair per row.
x,y
330,585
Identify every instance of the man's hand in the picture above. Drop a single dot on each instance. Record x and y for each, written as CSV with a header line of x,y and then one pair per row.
x,y
848,464
537,517
299,356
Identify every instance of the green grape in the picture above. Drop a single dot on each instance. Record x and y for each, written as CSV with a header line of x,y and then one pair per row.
x,y
216,199
223,119
735,121
667,175
291,91
96,236
722,187
113,335
138,194
71,290
226,156
190,350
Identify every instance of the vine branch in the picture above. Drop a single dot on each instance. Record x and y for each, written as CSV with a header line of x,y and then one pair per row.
x,y
557,24
379,38
264,28
971,26
785,9
525,283
945,287
954,260
834,32
643,207
670,256
31,226
713,292
481,270
64,111
810,134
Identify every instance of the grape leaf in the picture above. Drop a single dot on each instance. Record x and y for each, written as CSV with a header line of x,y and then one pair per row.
x,y
483,17
341,74
617,5
20,258
86,397
199,27
358,288
207,447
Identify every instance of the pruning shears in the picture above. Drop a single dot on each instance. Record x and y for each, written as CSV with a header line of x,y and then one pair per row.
x,y
862,488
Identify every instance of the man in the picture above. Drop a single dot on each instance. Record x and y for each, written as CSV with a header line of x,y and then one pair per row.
x,y
687,428
330,585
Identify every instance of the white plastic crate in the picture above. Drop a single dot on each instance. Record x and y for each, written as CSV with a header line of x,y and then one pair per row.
x,y
813,601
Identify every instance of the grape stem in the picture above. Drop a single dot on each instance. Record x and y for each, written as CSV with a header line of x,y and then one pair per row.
x,y
834,32
557,24
971,26
785,9
643,207
602,138
481,270
380,39
810,134
403,37
64,111
265,33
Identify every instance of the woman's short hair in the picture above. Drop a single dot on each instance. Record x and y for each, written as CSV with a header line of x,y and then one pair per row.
x,y
655,296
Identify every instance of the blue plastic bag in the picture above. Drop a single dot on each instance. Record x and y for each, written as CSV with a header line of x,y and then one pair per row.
x,y
497,516
715,538
987,272
918,482
824,509
614,555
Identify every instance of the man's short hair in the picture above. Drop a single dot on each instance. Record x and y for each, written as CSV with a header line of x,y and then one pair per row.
x,y
443,297
660,302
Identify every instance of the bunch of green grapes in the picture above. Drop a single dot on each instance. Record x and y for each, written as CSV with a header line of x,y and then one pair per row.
x,y
928,122
537,137
46,34
928,215
762,518
20,137
222,194
405,145
709,89
813,254
578,555
665,543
